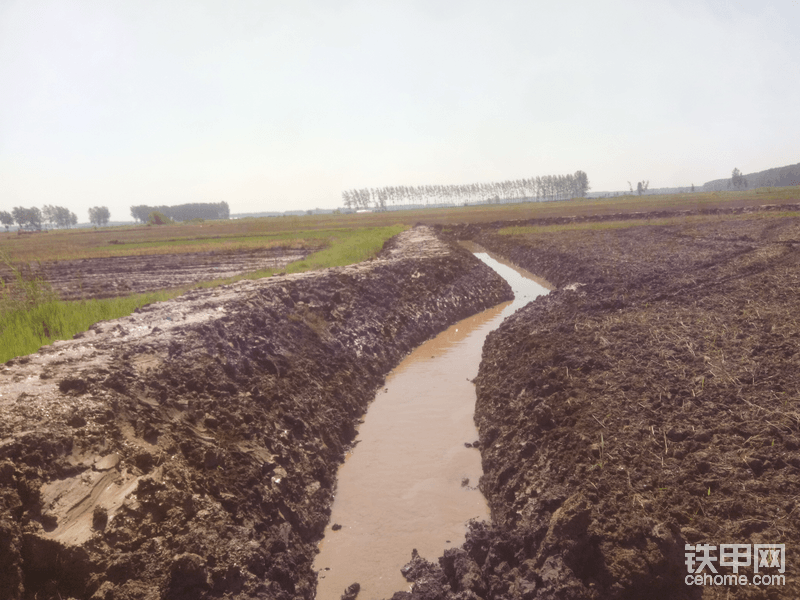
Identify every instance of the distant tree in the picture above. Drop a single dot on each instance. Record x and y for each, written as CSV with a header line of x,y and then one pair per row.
x,y
642,186
692,188
6,218
183,212
548,187
27,218
99,215
738,181
58,216
49,214
141,212
65,218
581,184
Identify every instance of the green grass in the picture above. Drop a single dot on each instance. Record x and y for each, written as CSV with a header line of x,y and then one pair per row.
x,y
31,316
23,331
349,247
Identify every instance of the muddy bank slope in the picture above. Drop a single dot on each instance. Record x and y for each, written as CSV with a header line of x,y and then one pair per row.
x,y
657,404
190,450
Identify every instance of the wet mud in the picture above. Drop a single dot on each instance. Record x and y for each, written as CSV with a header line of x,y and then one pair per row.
x,y
651,401
190,450
122,275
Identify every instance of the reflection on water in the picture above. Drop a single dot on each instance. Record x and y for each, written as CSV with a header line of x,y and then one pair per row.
x,y
410,481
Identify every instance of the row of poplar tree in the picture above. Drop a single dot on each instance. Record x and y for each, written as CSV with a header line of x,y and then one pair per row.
x,y
549,187
183,212
56,216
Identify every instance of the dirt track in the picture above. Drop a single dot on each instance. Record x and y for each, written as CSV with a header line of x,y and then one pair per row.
x,y
190,450
654,404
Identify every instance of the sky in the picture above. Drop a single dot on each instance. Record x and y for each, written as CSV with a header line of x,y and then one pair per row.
x,y
282,105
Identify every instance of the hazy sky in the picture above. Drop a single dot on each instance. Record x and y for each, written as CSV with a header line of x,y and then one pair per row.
x,y
282,105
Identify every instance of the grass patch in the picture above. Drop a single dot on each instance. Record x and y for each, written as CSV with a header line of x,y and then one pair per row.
x,y
32,316
348,247
24,331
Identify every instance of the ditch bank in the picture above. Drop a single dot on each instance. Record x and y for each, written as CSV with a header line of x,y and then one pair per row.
x,y
652,401
190,450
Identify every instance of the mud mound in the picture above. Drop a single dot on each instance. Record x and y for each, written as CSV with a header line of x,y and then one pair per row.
x,y
190,450
654,406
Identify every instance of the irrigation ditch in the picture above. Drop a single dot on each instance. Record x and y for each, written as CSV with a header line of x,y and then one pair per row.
x,y
411,480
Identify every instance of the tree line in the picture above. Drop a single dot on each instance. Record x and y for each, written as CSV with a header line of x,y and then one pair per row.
x,y
33,218
548,187
183,212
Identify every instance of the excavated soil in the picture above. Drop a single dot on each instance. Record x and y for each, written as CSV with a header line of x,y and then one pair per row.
x,y
190,450
651,401
122,275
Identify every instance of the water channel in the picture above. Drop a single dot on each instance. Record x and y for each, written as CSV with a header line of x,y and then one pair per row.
x,y
410,481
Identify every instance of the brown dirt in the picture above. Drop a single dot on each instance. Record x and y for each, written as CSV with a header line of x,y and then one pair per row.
x,y
654,404
122,275
190,450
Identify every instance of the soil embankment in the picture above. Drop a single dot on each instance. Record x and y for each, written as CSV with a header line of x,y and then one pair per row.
x,y
190,450
654,404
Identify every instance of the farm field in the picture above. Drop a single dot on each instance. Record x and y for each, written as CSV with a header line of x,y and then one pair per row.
x,y
111,273
650,401
73,278
300,231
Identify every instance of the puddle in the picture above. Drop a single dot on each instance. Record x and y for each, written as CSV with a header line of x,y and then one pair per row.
x,y
410,481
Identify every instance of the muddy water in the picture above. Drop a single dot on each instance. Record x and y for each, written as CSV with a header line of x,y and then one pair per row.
x,y
410,480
